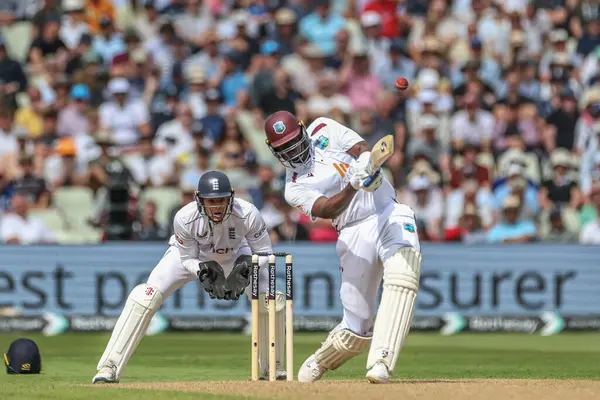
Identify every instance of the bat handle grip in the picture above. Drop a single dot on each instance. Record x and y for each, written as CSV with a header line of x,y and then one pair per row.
x,y
371,178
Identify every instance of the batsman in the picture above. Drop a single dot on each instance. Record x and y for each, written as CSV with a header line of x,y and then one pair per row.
x,y
215,237
332,174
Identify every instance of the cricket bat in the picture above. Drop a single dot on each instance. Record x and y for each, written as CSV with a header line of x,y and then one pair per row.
x,y
382,150
380,153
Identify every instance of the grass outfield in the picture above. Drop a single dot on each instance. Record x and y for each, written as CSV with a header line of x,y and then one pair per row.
x,y
186,366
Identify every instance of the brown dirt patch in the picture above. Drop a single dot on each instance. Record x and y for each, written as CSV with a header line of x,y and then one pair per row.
x,y
493,389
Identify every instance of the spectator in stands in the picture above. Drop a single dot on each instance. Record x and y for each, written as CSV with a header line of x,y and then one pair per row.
x,y
359,82
8,140
590,233
591,36
469,192
470,228
195,95
468,166
191,175
30,185
174,138
517,185
231,157
263,67
213,123
13,77
279,95
6,192
74,25
107,162
193,24
321,26
377,44
396,63
285,31
150,167
472,125
562,189
426,144
272,209
64,168
108,43
230,79
515,119
511,228
18,227
562,121
24,143
290,229
73,120
96,10
556,227
590,171
29,117
125,119
146,228
48,43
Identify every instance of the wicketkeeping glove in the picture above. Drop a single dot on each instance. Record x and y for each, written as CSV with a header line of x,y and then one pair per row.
x,y
212,279
239,277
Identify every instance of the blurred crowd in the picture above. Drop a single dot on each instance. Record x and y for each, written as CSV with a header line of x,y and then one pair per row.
x,y
112,109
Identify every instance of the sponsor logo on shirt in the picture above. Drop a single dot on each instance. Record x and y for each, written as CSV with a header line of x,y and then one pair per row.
x,y
261,232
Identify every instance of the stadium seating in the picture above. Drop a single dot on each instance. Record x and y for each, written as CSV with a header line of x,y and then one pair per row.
x,y
165,198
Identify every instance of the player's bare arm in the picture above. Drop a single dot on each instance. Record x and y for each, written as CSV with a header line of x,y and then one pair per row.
x,y
332,207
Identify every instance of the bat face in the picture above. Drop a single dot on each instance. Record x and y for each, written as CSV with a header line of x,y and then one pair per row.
x,y
382,150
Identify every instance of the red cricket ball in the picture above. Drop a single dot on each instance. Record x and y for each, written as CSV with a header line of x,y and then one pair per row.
x,y
401,84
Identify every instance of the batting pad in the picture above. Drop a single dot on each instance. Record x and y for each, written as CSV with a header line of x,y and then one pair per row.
x,y
394,317
143,302
341,346
263,331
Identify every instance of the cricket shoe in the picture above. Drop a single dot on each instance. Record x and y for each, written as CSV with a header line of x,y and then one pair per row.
x,y
106,374
280,373
311,371
378,373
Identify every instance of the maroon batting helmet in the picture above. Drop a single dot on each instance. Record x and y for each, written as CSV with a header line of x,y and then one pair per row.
x,y
288,139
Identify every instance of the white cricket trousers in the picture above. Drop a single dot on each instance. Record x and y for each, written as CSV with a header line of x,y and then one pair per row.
x,y
363,249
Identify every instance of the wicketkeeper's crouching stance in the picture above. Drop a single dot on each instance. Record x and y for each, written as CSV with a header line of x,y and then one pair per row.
x,y
214,240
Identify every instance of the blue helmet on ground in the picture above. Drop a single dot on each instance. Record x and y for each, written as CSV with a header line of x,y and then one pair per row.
x,y
23,357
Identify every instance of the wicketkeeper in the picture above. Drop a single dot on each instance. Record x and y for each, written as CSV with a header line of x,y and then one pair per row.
x,y
215,237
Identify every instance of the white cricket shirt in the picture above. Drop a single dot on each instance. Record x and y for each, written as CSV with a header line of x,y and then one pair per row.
x,y
200,240
328,175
